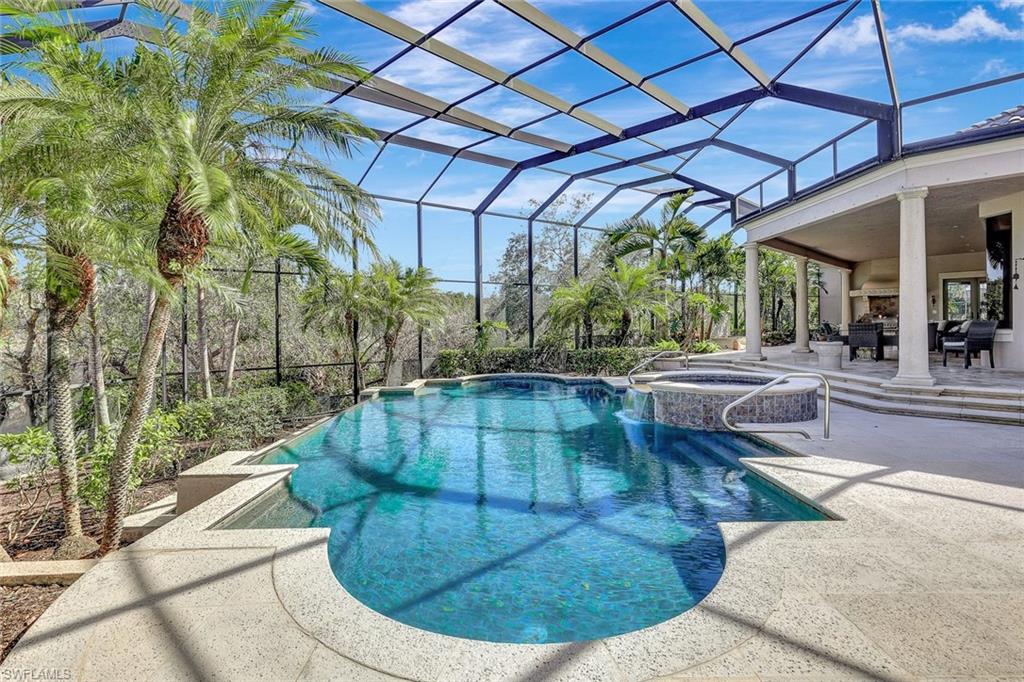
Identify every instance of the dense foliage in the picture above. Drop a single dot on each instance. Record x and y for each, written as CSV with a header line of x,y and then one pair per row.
x,y
582,361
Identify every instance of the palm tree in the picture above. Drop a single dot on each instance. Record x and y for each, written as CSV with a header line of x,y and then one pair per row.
x,y
663,243
396,297
216,126
59,181
629,291
579,302
668,245
333,303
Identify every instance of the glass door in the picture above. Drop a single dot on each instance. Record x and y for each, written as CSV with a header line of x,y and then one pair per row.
x,y
960,298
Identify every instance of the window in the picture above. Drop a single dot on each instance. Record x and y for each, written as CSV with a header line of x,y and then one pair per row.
x,y
994,292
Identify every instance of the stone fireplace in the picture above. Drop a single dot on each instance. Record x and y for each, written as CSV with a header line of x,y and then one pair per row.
x,y
879,303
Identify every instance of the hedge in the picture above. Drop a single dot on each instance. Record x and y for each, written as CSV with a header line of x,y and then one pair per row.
x,y
589,362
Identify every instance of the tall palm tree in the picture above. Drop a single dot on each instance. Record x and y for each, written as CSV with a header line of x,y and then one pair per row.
x,y
629,292
579,302
667,245
396,297
218,126
333,303
663,243
57,177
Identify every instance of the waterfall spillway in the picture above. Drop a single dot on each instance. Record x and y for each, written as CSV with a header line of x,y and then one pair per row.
x,y
638,404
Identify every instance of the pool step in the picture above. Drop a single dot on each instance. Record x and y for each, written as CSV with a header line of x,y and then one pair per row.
x,y
983,404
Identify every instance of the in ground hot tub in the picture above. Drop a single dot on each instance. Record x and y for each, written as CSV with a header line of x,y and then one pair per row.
x,y
696,399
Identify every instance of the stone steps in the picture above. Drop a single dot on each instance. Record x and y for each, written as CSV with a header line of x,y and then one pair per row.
x,y
983,404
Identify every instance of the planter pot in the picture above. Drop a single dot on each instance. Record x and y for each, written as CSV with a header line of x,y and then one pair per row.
x,y
830,353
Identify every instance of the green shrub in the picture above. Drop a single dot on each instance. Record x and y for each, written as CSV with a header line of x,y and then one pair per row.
x,y
605,361
301,400
243,420
778,337
196,419
588,362
666,344
158,448
705,347
33,446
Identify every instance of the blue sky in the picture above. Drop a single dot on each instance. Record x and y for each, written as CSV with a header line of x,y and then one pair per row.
x,y
936,45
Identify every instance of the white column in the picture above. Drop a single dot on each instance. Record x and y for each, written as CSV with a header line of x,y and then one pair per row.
x,y
752,303
803,332
844,301
913,367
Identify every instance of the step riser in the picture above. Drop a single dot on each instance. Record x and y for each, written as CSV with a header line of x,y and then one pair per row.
x,y
866,393
1009,420
956,402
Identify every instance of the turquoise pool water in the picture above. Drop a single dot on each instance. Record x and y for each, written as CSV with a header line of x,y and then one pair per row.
x,y
521,511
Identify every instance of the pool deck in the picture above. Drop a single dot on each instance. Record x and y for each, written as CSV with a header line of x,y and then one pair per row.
x,y
922,579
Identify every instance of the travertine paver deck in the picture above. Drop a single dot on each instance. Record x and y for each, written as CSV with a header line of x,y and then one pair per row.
x,y
923,579
979,375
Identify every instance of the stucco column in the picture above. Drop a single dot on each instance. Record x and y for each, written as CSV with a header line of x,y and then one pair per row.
x,y
913,367
752,303
844,301
803,333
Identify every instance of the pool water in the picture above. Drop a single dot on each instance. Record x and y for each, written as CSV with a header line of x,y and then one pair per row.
x,y
521,511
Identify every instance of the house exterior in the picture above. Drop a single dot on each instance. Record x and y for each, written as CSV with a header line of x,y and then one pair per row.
x,y
934,235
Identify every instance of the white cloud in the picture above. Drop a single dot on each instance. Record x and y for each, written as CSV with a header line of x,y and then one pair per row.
x,y
488,32
850,38
1012,4
973,26
310,8
976,25
994,68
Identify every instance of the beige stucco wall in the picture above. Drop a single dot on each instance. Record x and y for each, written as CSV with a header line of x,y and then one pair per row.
x,y
885,273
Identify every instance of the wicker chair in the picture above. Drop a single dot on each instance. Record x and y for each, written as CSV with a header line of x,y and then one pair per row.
x,y
866,335
981,335
946,329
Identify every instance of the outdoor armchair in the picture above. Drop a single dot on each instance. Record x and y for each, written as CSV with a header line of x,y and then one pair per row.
x,y
980,336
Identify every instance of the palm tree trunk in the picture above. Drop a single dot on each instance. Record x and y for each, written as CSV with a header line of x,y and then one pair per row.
x,y
61,416
99,384
204,343
588,331
390,340
128,439
147,312
624,325
24,360
232,353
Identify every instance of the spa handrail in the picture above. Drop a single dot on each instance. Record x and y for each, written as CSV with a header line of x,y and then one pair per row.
x,y
778,380
641,365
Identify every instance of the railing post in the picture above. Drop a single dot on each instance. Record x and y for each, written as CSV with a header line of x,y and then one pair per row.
x,y
277,321
184,342
529,281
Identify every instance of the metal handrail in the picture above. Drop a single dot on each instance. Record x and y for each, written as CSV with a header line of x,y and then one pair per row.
x,y
777,380
630,373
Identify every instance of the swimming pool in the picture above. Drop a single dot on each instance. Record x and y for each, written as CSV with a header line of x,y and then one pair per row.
x,y
520,510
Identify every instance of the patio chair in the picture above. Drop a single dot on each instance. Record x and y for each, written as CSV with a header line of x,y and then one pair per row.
x,y
946,329
980,335
866,335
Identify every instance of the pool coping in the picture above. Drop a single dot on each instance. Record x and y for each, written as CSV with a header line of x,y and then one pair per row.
x,y
748,589
320,605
